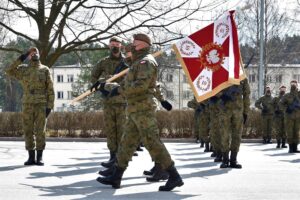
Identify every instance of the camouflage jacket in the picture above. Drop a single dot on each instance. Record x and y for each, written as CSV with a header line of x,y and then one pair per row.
x,y
277,109
36,82
140,82
239,97
105,69
265,103
198,106
290,103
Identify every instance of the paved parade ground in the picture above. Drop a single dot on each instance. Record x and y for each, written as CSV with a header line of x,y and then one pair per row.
x,y
71,169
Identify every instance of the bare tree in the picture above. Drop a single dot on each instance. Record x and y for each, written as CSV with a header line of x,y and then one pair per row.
x,y
64,26
276,26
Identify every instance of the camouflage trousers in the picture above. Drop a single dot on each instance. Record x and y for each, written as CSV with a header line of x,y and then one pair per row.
x,y
196,125
232,130
267,121
216,127
34,126
279,127
142,126
292,126
114,119
204,125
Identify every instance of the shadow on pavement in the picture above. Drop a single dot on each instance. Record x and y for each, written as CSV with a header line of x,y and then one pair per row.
x,y
13,167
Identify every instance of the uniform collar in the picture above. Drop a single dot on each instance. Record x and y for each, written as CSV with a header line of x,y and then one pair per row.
x,y
141,53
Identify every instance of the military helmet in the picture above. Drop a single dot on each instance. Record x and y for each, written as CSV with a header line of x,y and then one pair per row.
x,y
142,37
115,39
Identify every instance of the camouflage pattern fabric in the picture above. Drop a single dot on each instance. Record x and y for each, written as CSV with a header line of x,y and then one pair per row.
x,y
194,105
292,117
141,124
38,94
278,119
234,109
113,111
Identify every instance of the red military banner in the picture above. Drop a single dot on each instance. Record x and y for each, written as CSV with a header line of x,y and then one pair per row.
x,y
211,58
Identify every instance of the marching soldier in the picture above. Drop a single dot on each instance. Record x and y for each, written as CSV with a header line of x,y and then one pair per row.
x,y
141,121
194,105
38,101
290,103
265,104
279,119
236,103
113,107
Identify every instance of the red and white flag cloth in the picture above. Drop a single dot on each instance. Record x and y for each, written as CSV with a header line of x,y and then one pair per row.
x,y
210,57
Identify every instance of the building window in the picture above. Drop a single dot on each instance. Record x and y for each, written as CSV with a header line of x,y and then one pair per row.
x,y
185,80
296,77
252,78
60,78
169,77
70,96
60,95
170,94
70,78
269,79
278,78
187,95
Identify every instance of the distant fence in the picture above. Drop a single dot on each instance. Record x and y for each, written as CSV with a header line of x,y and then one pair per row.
x,y
173,124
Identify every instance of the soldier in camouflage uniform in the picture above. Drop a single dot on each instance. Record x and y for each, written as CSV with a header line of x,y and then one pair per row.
x,y
216,115
290,103
265,104
201,120
141,120
113,107
279,119
38,100
236,105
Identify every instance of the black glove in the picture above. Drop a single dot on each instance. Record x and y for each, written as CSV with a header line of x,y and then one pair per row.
x,y
166,105
102,90
95,86
48,111
245,117
24,56
114,92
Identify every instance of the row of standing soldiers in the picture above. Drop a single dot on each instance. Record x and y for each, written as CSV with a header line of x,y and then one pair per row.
x,y
283,112
219,121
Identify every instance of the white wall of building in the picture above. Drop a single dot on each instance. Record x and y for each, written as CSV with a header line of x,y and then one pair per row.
x,y
63,77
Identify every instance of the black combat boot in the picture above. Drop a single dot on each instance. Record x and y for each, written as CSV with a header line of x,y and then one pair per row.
x,y
283,144
115,179
213,154
264,140
211,149
269,140
233,161
202,144
225,160
159,174
135,154
291,150
111,161
206,147
151,171
39,158
139,148
278,144
197,140
31,158
295,148
218,157
107,172
173,181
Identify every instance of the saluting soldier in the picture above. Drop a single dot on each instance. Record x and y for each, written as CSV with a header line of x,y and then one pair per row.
x,y
37,103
